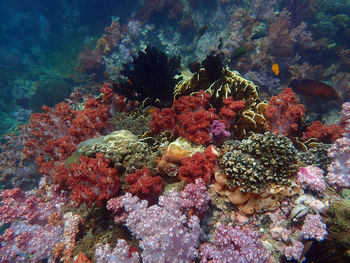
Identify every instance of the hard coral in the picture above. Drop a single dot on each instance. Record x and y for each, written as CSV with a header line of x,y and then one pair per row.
x,y
174,153
231,83
284,114
123,148
153,74
145,186
248,202
92,180
259,161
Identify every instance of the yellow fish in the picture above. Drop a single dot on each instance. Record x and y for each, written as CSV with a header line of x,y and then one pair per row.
x,y
276,69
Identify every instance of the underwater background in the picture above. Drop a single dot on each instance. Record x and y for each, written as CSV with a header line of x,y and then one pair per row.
x,y
175,131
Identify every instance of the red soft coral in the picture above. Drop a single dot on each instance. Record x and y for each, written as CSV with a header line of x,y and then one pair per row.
x,y
189,117
284,114
92,180
199,165
52,136
164,119
230,109
144,185
324,133
92,121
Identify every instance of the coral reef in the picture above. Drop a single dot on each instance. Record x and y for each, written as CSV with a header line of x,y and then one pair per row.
x,y
338,171
173,155
200,169
35,225
313,227
190,117
231,83
311,177
324,133
195,197
121,253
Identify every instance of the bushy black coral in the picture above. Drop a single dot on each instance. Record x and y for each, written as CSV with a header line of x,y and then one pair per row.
x,y
153,75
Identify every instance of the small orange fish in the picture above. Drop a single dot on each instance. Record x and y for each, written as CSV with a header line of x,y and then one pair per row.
x,y
275,68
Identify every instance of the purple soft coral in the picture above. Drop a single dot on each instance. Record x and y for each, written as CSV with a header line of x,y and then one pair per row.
x,y
232,244
217,130
165,233
313,227
339,152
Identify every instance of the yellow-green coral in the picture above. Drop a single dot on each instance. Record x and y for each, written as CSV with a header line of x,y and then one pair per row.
x,y
256,163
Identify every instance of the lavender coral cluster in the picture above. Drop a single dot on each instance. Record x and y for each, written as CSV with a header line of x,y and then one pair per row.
x,y
232,244
311,177
166,232
339,152
313,227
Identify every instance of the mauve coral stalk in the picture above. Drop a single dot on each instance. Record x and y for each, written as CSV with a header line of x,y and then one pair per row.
x,y
311,177
232,244
339,152
165,233
121,253
313,227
